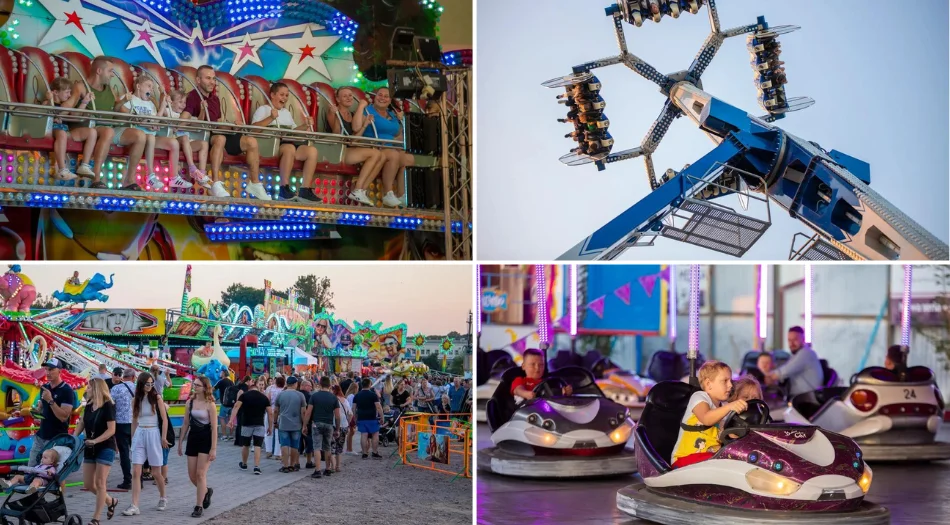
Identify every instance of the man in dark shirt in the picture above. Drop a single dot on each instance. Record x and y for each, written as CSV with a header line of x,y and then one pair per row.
x,y
57,402
345,385
324,410
207,106
369,416
116,377
254,404
222,386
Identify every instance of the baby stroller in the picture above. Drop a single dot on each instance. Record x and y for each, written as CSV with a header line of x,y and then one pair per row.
x,y
47,504
388,433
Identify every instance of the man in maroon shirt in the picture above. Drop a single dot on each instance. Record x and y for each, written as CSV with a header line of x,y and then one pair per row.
x,y
207,106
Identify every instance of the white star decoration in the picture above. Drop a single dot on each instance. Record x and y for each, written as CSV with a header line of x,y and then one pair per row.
x,y
306,53
144,36
247,50
72,19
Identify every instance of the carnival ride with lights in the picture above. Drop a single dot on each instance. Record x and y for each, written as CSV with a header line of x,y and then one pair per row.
x,y
893,414
828,191
763,472
26,147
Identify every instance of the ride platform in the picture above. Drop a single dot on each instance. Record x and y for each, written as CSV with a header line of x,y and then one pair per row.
x,y
502,462
640,501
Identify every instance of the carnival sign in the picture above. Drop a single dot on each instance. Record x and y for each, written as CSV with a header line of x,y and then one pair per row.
x,y
493,300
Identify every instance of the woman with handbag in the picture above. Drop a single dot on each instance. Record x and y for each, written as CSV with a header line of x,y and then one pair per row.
x,y
147,439
202,437
98,421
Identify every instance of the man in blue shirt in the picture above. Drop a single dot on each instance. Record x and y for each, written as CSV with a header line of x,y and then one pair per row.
x,y
803,369
56,402
122,396
457,395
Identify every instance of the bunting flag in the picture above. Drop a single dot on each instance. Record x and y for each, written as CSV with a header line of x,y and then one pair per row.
x,y
648,282
597,306
623,293
520,345
665,273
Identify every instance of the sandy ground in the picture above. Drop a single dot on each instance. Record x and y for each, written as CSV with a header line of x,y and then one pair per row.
x,y
365,492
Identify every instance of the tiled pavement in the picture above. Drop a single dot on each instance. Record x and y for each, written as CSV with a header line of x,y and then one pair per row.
x,y
222,475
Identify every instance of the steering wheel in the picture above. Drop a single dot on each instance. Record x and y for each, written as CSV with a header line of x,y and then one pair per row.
x,y
733,424
549,387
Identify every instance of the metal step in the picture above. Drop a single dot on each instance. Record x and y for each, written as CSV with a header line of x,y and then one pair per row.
x,y
714,227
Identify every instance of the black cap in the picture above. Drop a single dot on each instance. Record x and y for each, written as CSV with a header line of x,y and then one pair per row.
x,y
54,362
117,371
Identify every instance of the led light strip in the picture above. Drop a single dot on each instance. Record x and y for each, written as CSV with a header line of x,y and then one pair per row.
x,y
541,309
573,290
693,348
809,283
672,305
905,310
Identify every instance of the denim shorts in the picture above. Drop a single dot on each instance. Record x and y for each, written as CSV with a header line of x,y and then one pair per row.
x,y
225,413
105,456
60,127
165,456
289,438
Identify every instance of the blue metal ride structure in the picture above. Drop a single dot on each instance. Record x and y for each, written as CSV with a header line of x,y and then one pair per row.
x,y
827,190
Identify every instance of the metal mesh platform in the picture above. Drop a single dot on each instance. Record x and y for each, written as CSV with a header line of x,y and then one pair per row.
x,y
817,249
715,228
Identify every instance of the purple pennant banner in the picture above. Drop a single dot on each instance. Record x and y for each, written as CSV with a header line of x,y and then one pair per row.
x,y
623,293
648,282
597,306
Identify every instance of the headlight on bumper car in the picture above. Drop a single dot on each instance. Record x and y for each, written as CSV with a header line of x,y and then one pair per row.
x,y
765,481
865,480
622,433
540,437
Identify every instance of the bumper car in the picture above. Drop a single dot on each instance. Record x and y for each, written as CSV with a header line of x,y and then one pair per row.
x,y
622,386
494,364
891,419
669,365
556,436
763,473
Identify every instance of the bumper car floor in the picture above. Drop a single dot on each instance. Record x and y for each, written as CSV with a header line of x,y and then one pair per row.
x,y
907,490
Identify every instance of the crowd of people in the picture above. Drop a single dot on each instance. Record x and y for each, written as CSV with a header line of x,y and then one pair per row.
x,y
289,418
348,115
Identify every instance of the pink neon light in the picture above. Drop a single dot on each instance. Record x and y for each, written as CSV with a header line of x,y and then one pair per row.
x,y
762,304
905,310
478,298
809,279
693,349
672,315
541,306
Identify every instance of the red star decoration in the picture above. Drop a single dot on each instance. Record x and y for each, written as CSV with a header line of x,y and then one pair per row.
x,y
246,50
73,18
306,52
144,35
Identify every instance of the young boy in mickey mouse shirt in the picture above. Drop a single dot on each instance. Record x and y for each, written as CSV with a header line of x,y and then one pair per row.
x,y
533,365
698,436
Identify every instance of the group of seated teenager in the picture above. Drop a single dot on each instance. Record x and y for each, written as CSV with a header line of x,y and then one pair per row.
x,y
350,117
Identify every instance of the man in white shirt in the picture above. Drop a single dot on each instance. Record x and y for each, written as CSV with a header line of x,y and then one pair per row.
x,y
277,115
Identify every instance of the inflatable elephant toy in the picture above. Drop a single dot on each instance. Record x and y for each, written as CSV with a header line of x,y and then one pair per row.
x,y
90,290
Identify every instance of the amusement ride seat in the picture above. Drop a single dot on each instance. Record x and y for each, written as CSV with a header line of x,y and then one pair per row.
x,y
482,374
811,404
580,379
498,362
668,365
502,404
659,423
830,377
564,358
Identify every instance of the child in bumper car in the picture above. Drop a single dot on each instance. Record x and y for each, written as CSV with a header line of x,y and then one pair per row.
x,y
698,436
533,365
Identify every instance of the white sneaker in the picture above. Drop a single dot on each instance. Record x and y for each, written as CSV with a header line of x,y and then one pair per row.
x,y
360,196
404,200
131,511
85,170
155,182
256,189
200,178
180,183
390,200
218,190
65,174
162,503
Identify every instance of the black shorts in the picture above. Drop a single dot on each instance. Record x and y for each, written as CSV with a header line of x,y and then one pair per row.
x,y
198,442
232,143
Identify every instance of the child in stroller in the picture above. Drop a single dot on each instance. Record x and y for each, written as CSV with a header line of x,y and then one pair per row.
x,y
388,433
36,477
25,504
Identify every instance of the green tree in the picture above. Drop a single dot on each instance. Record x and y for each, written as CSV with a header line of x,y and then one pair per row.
x,y
243,295
45,302
456,366
453,334
317,288
433,361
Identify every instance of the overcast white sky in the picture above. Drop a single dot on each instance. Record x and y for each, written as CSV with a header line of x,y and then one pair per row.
x,y
429,298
